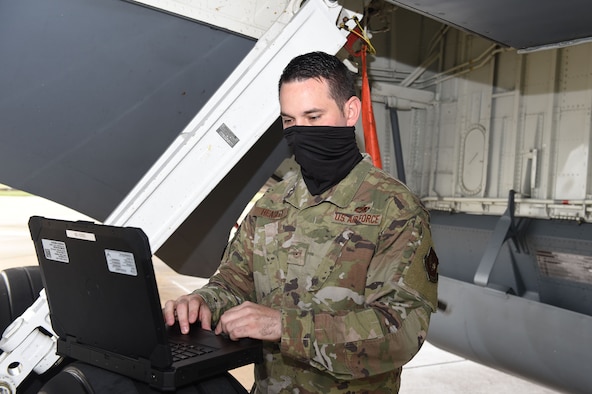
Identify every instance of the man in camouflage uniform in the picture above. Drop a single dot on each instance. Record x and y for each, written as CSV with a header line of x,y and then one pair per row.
x,y
333,267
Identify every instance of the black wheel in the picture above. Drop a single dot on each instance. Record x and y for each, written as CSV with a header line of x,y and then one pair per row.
x,y
19,288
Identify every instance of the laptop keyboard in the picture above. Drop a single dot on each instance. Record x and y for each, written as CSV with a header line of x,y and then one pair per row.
x,y
183,351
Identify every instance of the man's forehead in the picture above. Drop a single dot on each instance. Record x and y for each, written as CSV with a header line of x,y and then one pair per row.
x,y
307,97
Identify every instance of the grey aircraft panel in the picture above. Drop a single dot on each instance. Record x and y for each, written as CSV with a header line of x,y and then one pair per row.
x,y
516,24
92,93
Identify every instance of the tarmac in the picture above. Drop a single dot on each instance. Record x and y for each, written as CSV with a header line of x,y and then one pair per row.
x,y
432,371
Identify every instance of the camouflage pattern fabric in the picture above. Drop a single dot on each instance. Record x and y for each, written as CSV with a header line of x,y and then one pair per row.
x,y
353,273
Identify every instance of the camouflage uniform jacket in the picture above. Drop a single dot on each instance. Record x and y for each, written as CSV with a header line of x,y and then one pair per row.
x,y
352,272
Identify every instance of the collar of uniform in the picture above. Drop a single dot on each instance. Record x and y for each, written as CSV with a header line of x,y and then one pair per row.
x,y
341,194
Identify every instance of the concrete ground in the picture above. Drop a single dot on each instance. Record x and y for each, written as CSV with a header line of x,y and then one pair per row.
x,y
431,371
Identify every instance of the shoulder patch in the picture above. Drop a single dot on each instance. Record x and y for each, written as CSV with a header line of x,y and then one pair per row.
x,y
431,265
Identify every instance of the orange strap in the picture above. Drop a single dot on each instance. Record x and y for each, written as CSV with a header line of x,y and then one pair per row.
x,y
368,122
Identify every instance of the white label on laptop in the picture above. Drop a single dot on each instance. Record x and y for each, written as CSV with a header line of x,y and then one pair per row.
x,y
121,262
55,250
81,235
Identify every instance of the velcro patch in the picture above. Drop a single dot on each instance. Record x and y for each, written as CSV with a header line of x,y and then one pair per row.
x,y
357,218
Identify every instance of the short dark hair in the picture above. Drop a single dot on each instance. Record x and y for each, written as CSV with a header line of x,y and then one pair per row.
x,y
321,65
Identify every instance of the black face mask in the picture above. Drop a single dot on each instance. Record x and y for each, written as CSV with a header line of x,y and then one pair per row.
x,y
326,154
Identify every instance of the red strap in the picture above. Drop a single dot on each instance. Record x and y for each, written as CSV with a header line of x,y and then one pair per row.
x,y
368,122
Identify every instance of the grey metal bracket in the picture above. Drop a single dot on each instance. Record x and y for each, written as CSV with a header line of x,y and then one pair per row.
x,y
506,228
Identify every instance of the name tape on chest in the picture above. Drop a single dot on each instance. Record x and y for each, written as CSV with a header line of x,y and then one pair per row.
x,y
270,213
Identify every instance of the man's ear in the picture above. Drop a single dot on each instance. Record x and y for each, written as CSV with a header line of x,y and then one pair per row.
x,y
352,110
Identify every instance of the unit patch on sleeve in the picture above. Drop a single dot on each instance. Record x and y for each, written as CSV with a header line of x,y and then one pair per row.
x,y
431,265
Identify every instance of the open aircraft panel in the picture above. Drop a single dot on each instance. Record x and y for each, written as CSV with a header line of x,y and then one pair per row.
x,y
93,92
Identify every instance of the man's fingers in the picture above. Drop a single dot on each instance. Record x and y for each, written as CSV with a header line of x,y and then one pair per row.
x,y
182,314
186,310
205,317
168,312
251,320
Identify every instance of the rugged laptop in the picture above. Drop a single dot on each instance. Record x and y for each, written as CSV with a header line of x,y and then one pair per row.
x,y
105,307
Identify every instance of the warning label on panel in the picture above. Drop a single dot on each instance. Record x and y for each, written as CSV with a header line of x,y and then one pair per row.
x,y
55,250
121,262
565,265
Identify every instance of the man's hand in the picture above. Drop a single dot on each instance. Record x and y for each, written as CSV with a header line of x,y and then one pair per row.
x,y
187,310
251,320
